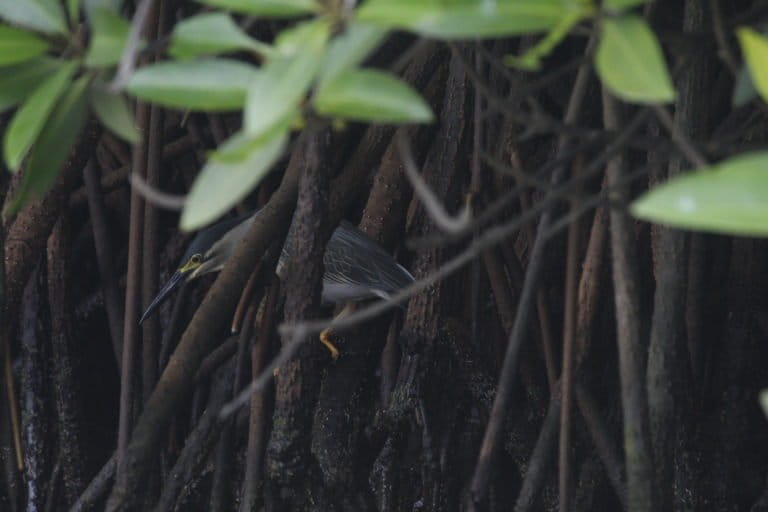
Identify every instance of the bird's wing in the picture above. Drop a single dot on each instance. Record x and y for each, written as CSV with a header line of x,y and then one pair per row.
x,y
353,258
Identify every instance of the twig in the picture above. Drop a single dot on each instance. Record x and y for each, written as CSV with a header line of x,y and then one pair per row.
x,y
132,291
171,331
640,475
724,49
541,457
497,207
567,376
520,176
115,178
154,196
150,328
257,421
13,407
223,460
679,138
245,299
5,344
542,305
601,438
104,259
432,205
131,50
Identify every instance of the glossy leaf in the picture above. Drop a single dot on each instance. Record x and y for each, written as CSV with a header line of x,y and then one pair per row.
x,y
29,120
41,15
755,49
731,197
17,45
620,5
371,95
91,6
462,19
630,62
203,84
54,144
222,184
18,81
271,8
285,79
112,111
110,33
351,48
211,33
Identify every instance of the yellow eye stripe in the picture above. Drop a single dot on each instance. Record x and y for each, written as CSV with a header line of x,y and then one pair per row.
x,y
192,264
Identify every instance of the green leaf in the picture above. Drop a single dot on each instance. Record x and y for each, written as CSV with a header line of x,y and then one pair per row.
x,y
112,111
32,115
621,5
755,50
54,144
17,45
464,19
350,48
371,95
17,82
221,185
91,6
285,79
110,33
203,84
630,62
731,197
211,33
42,15
271,8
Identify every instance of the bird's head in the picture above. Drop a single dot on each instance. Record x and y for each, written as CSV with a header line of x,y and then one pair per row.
x,y
207,253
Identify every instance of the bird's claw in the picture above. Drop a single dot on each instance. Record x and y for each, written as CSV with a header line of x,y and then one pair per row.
x,y
325,339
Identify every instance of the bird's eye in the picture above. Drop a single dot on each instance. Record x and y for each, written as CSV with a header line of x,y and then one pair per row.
x,y
196,259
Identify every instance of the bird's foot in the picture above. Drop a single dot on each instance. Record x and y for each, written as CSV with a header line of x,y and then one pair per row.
x,y
325,339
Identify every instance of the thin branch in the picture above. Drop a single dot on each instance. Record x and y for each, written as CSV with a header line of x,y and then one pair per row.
x,y
104,258
724,49
432,205
497,207
154,196
132,292
132,46
679,138
567,376
640,475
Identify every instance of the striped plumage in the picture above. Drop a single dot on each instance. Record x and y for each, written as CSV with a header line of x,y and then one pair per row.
x,y
356,268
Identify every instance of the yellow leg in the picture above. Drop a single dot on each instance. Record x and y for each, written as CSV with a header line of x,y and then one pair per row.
x,y
325,340
325,335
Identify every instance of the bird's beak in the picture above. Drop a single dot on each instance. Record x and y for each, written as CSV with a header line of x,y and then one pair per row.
x,y
174,282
